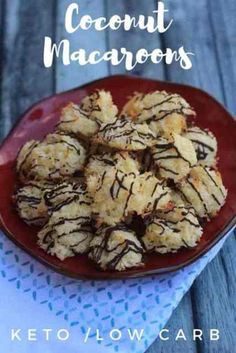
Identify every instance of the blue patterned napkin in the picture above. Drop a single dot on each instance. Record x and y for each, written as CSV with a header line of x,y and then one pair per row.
x,y
143,303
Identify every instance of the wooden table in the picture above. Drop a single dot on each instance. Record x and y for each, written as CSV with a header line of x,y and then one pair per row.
x,y
205,27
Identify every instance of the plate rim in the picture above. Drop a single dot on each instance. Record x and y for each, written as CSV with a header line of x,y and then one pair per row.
x,y
21,116
103,275
229,227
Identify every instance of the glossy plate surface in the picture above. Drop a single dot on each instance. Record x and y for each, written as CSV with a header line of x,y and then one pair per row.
x,y
41,119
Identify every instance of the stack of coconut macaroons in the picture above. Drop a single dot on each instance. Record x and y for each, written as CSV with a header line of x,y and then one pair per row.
x,y
100,174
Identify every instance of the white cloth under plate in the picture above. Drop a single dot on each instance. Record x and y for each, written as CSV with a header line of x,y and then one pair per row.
x,y
32,296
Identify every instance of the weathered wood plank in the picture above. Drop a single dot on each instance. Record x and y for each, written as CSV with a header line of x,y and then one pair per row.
x,y
134,40
20,76
75,75
213,306
181,319
2,25
24,80
222,20
214,291
192,30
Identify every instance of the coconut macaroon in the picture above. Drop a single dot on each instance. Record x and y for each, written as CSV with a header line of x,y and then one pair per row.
x,y
65,238
204,190
100,163
151,195
35,202
30,203
24,159
111,195
68,231
56,158
66,193
164,112
172,230
124,134
71,205
117,185
116,248
174,157
177,199
85,120
146,161
117,194
205,145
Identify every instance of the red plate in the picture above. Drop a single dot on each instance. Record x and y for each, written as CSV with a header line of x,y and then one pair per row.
x,y
41,119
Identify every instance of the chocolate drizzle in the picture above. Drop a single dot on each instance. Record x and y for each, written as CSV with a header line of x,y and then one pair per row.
x,y
163,152
123,130
159,149
91,104
118,184
168,99
204,188
108,247
202,149
118,191
214,182
162,114
198,194
50,165
204,142
29,204
170,222
52,234
27,155
69,145
168,105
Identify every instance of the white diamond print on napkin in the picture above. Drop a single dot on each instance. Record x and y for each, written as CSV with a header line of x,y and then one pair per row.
x,y
141,303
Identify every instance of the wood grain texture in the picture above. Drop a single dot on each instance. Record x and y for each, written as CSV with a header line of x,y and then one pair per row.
x,y
2,56
223,27
212,307
68,77
182,318
24,80
191,29
214,292
134,39
220,275
205,27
